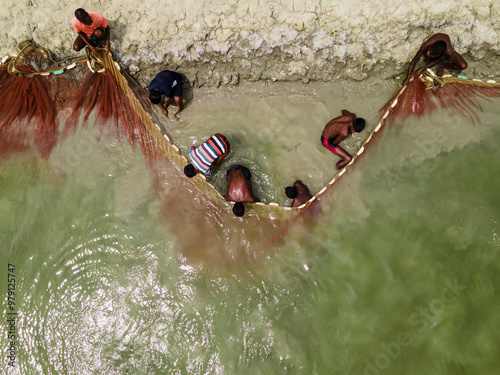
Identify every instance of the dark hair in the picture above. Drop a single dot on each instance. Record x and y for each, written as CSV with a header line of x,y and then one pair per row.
x,y
359,124
155,96
239,209
291,192
438,48
189,170
80,14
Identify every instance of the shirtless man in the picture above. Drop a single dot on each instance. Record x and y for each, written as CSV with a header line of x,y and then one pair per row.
x,y
437,50
239,188
299,192
339,129
91,27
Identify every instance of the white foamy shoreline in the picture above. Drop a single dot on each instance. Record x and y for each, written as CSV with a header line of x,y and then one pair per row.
x,y
223,41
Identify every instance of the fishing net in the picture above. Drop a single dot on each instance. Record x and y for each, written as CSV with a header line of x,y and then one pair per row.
x,y
29,111
458,96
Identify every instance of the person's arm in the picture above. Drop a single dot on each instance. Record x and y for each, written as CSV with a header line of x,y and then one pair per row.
x,y
429,65
108,36
163,107
178,101
84,38
220,158
343,134
412,65
345,112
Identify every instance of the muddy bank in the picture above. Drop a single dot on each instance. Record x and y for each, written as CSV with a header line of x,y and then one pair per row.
x,y
224,41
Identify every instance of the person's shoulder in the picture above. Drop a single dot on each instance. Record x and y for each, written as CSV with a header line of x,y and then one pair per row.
x,y
92,13
438,37
334,122
98,18
219,135
441,36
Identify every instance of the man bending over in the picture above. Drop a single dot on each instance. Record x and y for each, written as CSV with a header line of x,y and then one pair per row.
x,y
437,50
166,83
339,129
209,153
239,188
299,192
91,28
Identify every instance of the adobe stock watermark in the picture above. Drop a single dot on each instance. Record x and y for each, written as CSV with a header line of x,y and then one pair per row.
x,y
85,145
420,149
422,320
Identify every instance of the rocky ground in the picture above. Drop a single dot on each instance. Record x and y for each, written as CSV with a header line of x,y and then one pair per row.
x,y
216,42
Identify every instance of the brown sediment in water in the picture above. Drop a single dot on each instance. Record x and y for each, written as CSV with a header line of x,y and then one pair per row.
x,y
210,225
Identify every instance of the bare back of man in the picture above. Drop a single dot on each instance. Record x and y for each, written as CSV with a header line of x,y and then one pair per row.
x,y
299,193
437,50
239,185
338,129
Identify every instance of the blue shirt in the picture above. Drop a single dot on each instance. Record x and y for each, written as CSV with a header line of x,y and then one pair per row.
x,y
165,81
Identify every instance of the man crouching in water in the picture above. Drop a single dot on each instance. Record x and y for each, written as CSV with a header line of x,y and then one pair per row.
x,y
299,192
239,188
339,129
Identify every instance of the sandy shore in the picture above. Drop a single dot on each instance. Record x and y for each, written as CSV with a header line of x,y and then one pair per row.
x,y
224,41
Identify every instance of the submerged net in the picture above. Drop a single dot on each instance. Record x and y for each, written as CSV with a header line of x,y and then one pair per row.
x,y
29,115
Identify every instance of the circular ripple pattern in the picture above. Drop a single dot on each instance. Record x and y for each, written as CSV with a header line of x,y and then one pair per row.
x,y
110,305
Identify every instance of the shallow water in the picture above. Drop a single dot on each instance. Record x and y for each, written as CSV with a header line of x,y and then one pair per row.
x,y
398,276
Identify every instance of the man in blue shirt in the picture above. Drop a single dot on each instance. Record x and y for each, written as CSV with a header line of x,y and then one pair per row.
x,y
166,83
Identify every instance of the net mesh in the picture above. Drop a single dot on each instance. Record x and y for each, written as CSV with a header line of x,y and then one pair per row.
x,y
29,114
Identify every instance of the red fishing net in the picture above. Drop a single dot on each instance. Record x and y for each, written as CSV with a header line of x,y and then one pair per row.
x,y
458,97
27,114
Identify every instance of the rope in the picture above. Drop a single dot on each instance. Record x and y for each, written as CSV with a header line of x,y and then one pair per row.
x,y
273,210
104,62
28,46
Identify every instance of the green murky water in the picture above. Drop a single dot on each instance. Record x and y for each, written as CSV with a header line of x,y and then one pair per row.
x,y
398,276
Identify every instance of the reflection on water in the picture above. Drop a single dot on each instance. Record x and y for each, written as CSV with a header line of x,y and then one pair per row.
x,y
398,276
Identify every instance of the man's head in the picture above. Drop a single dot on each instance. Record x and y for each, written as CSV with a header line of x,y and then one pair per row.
x,y
239,209
82,16
155,96
291,192
359,124
190,170
438,48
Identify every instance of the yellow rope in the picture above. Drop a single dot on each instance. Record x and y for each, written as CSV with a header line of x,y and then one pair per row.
x,y
272,210
28,46
172,152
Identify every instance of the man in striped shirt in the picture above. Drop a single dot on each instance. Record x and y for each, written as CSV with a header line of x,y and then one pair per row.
x,y
209,153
